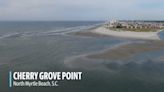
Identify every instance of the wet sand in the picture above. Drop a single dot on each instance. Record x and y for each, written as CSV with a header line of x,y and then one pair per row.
x,y
128,51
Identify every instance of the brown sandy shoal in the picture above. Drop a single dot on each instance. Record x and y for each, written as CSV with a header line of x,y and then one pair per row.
x,y
88,34
127,51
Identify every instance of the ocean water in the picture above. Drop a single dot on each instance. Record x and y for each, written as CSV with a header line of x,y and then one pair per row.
x,y
46,46
161,35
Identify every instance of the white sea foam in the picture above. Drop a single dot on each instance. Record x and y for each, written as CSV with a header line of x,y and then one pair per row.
x,y
9,35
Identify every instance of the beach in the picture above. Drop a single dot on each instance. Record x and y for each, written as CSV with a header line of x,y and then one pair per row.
x,y
127,34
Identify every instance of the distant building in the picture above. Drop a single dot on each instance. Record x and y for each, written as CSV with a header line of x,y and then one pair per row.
x,y
133,25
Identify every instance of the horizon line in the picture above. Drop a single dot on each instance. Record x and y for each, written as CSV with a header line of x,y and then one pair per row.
x,y
75,20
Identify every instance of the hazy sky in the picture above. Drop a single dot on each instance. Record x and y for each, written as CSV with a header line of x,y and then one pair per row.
x,y
81,9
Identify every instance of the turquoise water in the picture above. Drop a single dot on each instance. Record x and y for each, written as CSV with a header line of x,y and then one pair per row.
x,y
46,46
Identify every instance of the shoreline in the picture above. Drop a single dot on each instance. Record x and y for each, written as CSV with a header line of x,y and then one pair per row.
x,y
127,34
